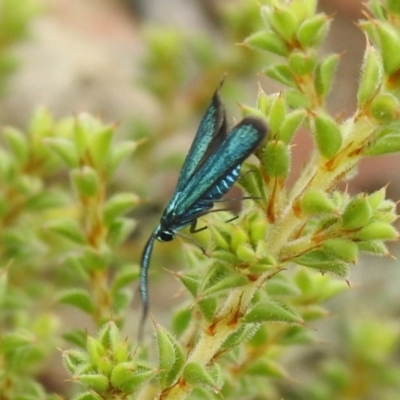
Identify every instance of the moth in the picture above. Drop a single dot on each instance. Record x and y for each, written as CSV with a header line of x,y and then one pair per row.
x,y
210,169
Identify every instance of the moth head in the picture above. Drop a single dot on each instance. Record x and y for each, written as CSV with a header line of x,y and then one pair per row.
x,y
164,235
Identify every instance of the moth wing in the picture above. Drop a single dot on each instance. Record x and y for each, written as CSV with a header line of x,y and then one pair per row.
x,y
238,145
209,135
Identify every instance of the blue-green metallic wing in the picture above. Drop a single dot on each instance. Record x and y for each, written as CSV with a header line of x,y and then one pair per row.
x,y
211,132
237,146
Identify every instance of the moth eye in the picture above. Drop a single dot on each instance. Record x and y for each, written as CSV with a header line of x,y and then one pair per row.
x,y
165,236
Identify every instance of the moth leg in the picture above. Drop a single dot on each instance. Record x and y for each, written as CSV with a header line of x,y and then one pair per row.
x,y
193,228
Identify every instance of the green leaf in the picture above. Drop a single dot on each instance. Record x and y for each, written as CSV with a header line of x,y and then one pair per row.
x,y
125,276
323,262
97,382
169,353
357,213
377,231
290,125
119,204
273,311
196,374
344,249
67,228
316,201
65,149
86,181
389,40
283,74
276,159
77,297
327,135
18,143
277,115
325,74
265,367
312,31
269,41
128,376
371,76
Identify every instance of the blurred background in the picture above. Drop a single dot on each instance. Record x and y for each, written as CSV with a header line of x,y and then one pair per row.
x,y
151,67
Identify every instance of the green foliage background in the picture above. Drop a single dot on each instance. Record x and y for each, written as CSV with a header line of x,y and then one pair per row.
x,y
67,231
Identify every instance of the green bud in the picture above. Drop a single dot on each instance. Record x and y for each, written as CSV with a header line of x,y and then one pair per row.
x,y
246,110
375,199
313,30
258,230
238,236
18,143
109,335
124,276
166,351
196,374
67,228
325,74
121,376
316,201
119,152
191,282
276,159
272,311
343,249
245,253
323,262
284,21
314,312
374,247
77,297
384,144
371,77
99,145
327,135
384,107
301,64
357,214
277,114
377,231
389,40
86,181
95,350
290,125
266,40
220,240
369,28
74,360
119,230
119,204
296,99
263,102
96,258
281,73
207,307
229,282
265,367
225,256
97,382
64,149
